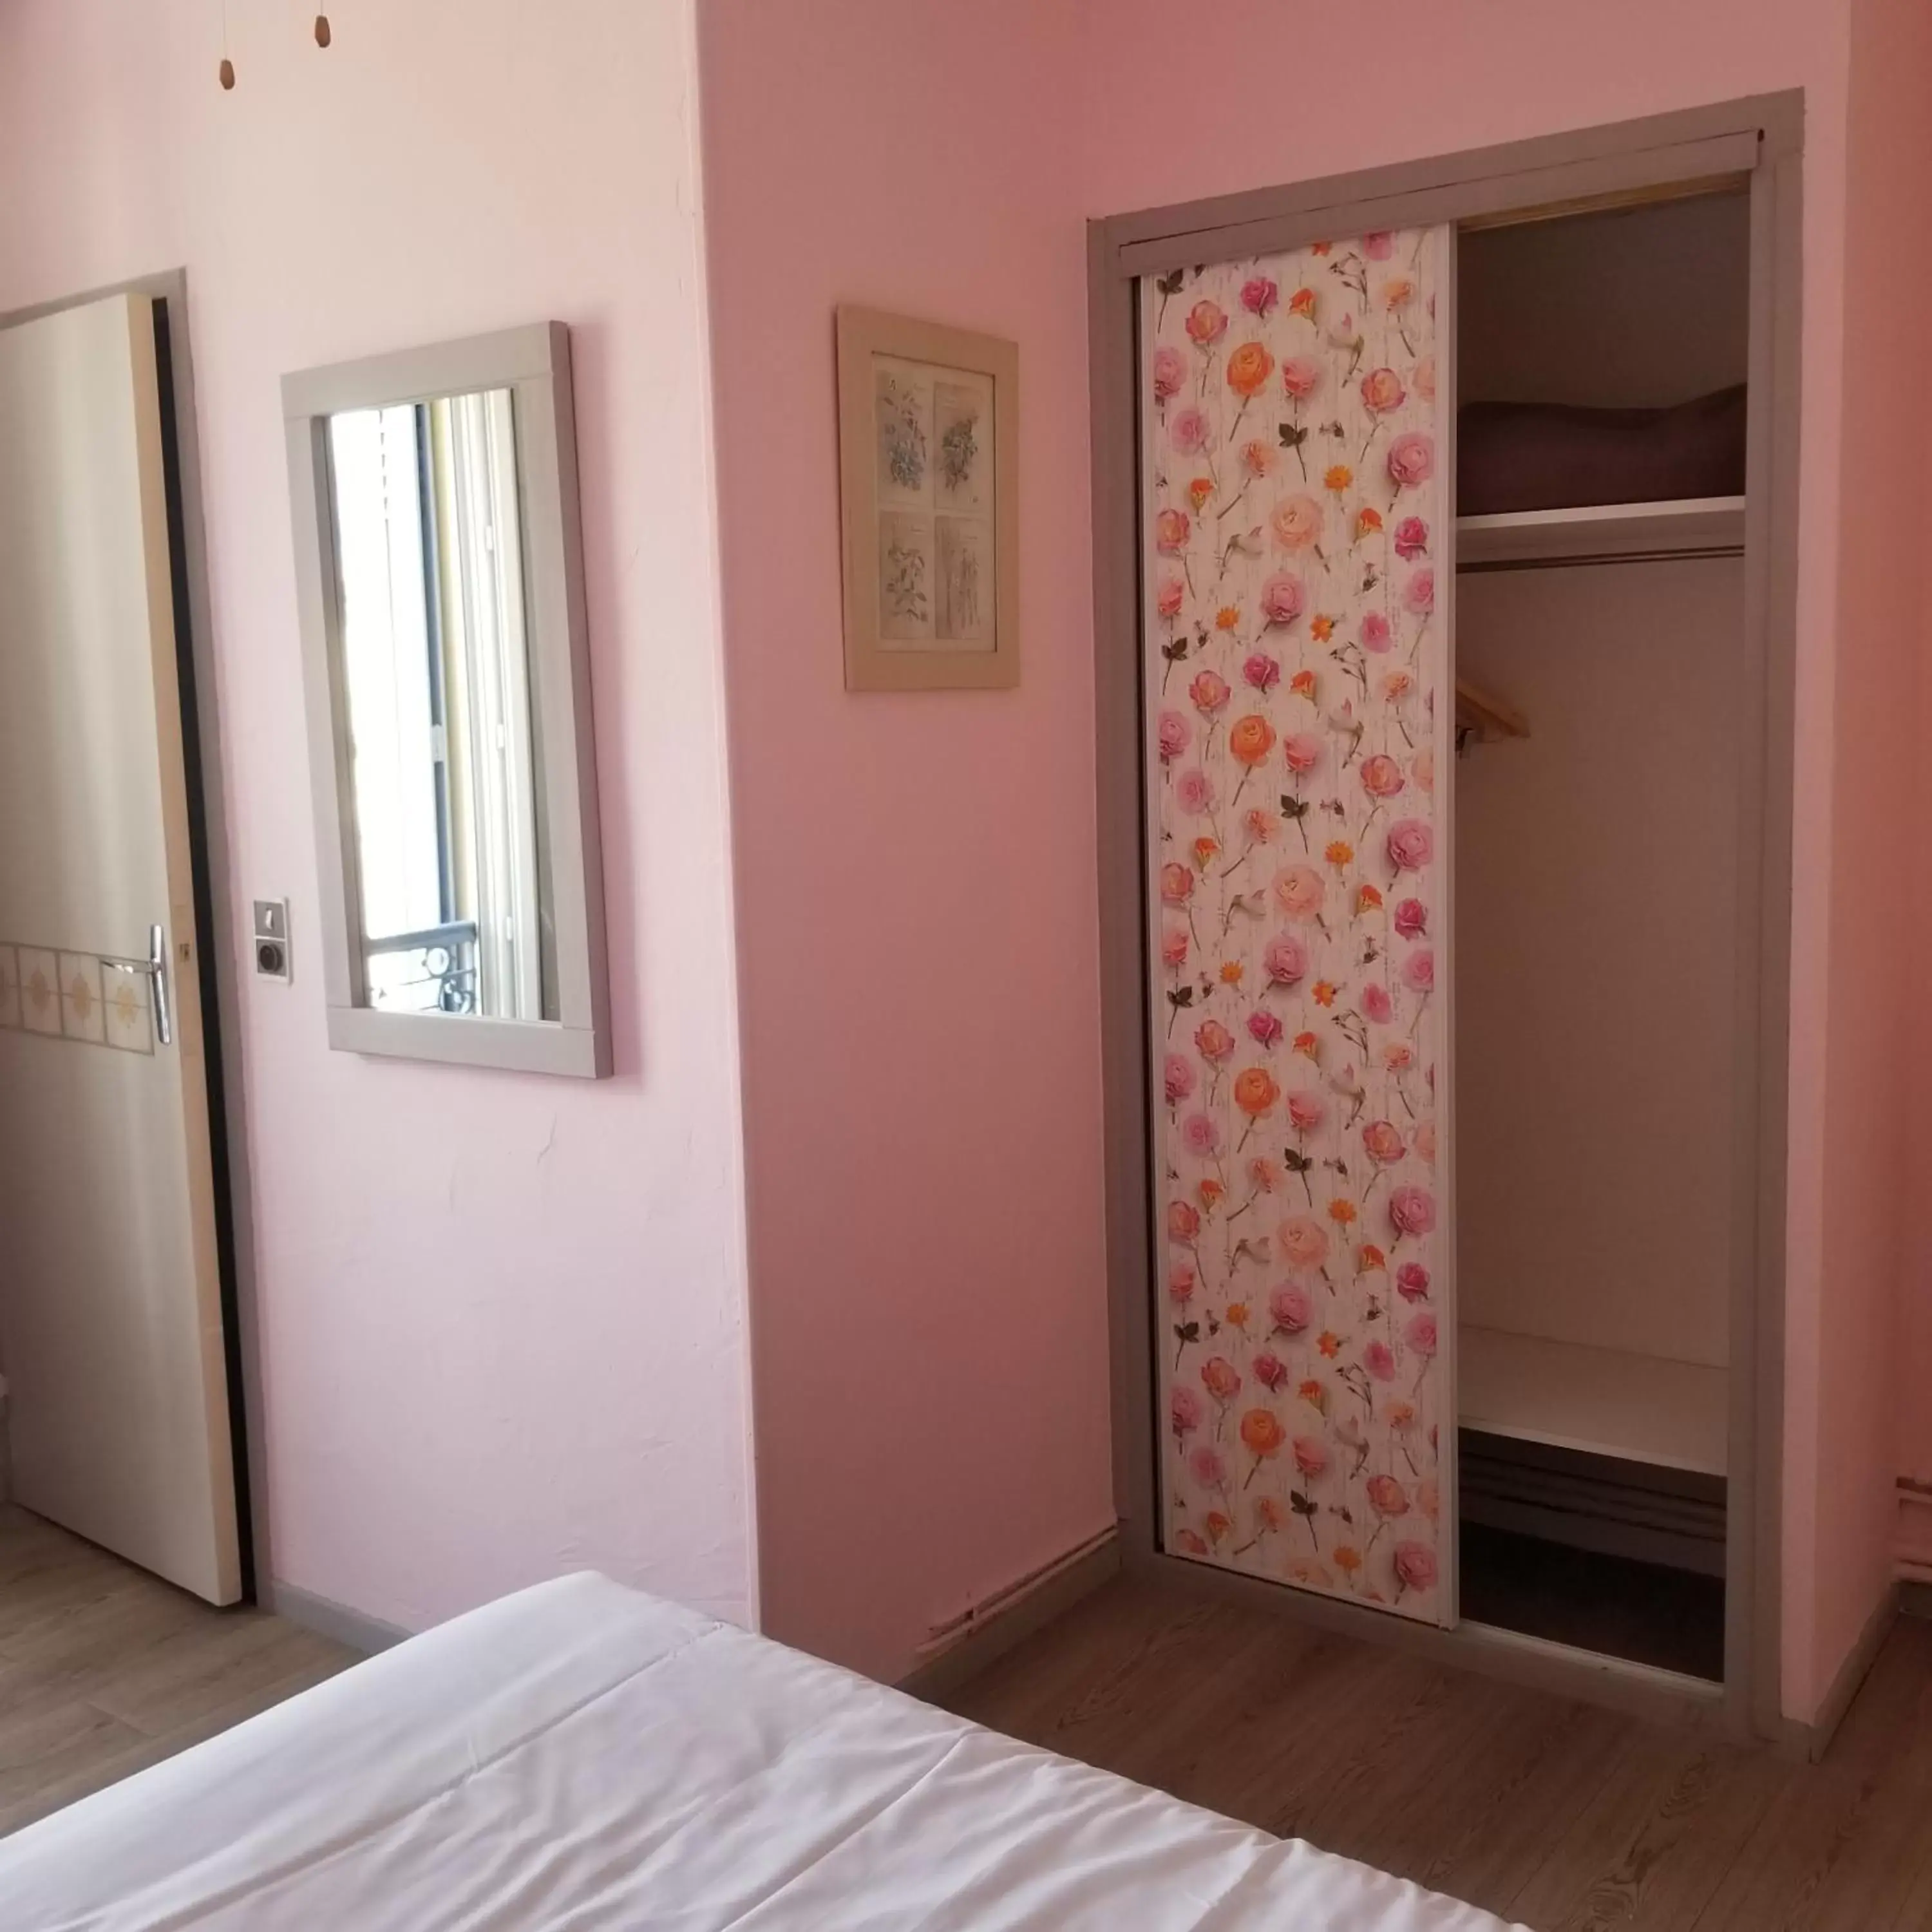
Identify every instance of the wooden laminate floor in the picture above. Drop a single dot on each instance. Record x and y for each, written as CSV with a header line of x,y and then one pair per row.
x,y
104,1669
1559,1815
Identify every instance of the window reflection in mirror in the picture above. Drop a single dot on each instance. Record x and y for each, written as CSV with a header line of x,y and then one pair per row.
x,y
443,743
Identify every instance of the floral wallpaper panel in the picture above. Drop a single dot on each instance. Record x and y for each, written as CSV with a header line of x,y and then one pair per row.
x,y
1300,715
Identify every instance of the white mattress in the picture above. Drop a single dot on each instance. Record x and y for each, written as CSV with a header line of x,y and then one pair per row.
x,y
581,1756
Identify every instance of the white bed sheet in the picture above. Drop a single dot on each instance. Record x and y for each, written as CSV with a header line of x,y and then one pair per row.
x,y
579,1756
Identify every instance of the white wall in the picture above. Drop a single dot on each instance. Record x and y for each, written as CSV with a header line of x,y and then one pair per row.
x,y
502,1317
1596,916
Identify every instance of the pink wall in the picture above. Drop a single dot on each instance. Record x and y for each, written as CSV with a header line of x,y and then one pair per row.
x,y
916,908
502,1317
1874,1089
924,1192
1842,1344
1887,598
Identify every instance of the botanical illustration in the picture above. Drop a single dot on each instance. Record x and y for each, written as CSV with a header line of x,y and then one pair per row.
x,y
905,435
960,410
1294,518
958,447
905,576
965,580
935,491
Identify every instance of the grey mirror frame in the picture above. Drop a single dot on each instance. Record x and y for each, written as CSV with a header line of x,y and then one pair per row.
x,y
533,363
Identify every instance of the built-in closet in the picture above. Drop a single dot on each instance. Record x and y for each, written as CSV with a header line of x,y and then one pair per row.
x,y
1598,1030
1450,902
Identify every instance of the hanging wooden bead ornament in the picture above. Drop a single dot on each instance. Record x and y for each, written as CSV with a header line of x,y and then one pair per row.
x,y
323,36
227,71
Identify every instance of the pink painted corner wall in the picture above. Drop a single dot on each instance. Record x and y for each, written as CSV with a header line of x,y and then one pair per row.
x,y
1842,1345
1887,621
502,1317
918,984
917,954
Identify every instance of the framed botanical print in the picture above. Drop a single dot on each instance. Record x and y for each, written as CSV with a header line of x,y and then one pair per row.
x,y
929,509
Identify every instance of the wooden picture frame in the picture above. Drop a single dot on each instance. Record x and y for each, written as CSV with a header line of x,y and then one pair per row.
x,y
928,505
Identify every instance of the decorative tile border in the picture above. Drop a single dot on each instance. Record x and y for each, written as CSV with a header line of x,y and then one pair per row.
x,y
89,996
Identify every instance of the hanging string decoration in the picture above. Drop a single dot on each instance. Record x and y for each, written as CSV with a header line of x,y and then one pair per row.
x,y
325,36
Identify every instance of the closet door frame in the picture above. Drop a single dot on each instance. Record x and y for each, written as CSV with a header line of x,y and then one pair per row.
x,y
1757,142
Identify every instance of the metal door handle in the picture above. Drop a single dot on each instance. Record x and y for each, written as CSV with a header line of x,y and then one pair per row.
x,y
155,969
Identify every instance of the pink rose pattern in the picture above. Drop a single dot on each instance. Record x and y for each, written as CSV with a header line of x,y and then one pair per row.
x,y
1297,914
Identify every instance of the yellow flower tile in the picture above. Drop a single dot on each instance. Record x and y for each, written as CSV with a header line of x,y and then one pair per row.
x,y
39,990
81,1016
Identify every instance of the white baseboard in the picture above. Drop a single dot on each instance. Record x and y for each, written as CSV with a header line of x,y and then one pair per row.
x,y
1015,1619
337,1621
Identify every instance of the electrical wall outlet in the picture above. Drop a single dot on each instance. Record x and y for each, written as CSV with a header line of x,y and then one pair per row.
x,y
273,959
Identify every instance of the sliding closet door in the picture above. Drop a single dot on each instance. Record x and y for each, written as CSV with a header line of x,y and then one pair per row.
x,y
1296,416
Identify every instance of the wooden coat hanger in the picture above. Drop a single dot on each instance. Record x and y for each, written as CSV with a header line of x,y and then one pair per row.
x,y
1480,719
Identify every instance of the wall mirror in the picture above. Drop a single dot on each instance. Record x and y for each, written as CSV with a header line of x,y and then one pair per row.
x,y
439,569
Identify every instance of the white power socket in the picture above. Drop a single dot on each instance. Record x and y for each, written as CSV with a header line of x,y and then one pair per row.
x,y
274,958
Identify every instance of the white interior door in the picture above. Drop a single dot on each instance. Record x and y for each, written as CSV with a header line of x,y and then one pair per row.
x,y
110,1309
1297,414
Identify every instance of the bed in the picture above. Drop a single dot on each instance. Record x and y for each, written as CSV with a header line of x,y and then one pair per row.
x,y
579,1756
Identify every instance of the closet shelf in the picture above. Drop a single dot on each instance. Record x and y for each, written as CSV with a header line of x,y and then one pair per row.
x,y
1641,1407
1601,533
